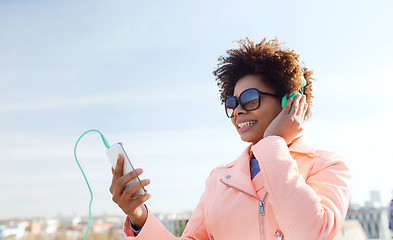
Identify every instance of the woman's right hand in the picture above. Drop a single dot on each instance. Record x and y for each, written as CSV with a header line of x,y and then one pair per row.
x,y
122,194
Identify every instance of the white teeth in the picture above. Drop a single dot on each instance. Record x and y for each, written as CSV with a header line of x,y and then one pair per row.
x,y
244,124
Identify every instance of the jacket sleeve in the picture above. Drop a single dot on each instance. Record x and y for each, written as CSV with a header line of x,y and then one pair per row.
x,y
155,230
312,208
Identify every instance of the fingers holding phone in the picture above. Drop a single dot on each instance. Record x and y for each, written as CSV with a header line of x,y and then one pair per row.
x,y
127,189
125,194
121,183
113,153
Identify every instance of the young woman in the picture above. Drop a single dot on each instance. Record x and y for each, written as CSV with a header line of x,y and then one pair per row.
x,y
280,187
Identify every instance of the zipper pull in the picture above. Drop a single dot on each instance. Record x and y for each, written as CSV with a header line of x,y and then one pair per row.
x,y
211,236
261,203
261,211
279,235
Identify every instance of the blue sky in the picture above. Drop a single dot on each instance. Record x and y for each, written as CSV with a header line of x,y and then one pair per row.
x,y
141,72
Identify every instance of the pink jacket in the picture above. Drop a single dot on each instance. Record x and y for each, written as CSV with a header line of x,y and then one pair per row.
x,y
300,193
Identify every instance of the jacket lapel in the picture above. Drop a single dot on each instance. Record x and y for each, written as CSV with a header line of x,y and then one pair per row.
x,y
238,174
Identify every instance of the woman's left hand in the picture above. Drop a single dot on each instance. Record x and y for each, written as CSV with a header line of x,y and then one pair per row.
x,y
289,123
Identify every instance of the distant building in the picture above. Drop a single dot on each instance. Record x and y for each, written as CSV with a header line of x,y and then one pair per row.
x,y
175,223
103,228
373,216
375,200
14,229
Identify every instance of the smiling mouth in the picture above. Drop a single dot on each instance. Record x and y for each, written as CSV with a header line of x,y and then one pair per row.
x,y
245,124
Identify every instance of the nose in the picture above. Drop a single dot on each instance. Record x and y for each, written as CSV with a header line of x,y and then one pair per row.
x,y
238,110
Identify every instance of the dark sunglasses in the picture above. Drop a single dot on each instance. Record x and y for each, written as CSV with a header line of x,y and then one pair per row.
x,y
249,99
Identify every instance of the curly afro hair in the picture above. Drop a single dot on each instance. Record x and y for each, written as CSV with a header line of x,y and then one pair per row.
x,y
278,66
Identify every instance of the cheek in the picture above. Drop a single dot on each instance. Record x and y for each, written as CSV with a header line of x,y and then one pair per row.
x,y
265,117
272,110
233,121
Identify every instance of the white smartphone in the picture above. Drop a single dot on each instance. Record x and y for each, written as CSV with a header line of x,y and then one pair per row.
x,y
113,152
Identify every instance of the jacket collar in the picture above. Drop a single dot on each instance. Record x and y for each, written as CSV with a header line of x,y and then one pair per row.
x,y
238,174
301,145
298,145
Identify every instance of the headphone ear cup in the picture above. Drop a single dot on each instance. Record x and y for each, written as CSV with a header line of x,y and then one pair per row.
x,y
286,98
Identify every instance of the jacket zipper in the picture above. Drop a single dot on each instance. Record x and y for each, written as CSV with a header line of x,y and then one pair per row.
x,y
211,236
279,235
261,204
262,212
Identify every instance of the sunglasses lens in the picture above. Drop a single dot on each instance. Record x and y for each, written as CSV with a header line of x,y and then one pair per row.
x,y
230,105
249,99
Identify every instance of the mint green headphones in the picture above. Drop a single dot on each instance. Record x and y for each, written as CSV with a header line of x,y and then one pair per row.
x,y
293,95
